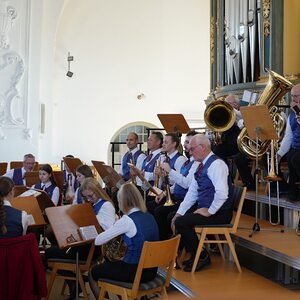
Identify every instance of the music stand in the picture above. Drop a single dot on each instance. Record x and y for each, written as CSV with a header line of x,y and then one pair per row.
x,y
174,123
31,206
145,182
108,174
260,127
72,163
31,178
66,221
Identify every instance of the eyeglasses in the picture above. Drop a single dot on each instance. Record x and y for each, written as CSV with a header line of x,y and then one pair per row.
x,y
193,148
90,196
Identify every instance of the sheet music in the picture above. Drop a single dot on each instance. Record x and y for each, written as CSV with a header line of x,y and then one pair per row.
x,y
30,192
88,232
30,219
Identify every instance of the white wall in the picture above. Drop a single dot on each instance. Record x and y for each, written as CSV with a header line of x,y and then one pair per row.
x,y
121,48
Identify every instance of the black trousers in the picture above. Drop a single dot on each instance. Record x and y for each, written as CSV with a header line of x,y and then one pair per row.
x,y
121,271
293,158
185,226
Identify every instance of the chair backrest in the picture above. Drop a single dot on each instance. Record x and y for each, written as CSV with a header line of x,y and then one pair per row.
x,y
157,254
3,168
238,196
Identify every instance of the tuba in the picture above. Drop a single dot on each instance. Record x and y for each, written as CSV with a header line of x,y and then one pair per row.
x,y
276,88
219,116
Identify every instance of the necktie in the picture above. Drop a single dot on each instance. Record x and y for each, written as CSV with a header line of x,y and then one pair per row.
x,y
130,158
43,187
199,169
149,157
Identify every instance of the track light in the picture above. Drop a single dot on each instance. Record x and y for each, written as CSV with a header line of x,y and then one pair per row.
x,y
69,59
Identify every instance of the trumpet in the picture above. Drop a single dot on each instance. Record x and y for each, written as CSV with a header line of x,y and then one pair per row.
x,y
156,182
132,176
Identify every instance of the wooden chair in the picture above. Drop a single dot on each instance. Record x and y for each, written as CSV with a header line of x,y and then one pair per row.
x,y
154,254
3,168
238,196
70,265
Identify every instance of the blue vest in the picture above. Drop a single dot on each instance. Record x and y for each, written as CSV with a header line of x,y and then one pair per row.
x,y
17,177
173,160
150,166
13,222
97,206
49,190
78,196
206,189
295,126
125,160
179,192
147,230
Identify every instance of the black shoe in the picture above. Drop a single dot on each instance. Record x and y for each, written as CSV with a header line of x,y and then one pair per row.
x,y
202,262
188,261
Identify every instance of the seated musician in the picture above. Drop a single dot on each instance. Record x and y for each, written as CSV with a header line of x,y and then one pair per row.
x,y
182,180
135,226
229,146
206,201
290,145
154,143
13,222
82,172
17,175
133,156
173,158
106,216
47,183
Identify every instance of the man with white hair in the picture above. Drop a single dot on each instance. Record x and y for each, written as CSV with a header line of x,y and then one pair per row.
x,y
206,201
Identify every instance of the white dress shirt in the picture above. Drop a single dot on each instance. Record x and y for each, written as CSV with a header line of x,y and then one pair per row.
x,y
183,181
286,142
106,215
124,225
218,174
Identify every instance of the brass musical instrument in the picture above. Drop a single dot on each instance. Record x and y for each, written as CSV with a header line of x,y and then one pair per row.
x,y
276,88
272,177
219,116
158,191
114,249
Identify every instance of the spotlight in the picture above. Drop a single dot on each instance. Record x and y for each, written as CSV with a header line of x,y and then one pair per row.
x,y
69,74
69,59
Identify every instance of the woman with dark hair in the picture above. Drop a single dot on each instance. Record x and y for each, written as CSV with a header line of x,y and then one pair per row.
x,y
47,183
82,172
136,226
13,222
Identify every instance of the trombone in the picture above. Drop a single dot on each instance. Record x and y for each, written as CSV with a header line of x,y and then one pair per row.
x,y
272,177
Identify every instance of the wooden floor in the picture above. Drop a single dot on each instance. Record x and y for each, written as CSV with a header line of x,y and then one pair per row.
x,y
221,281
